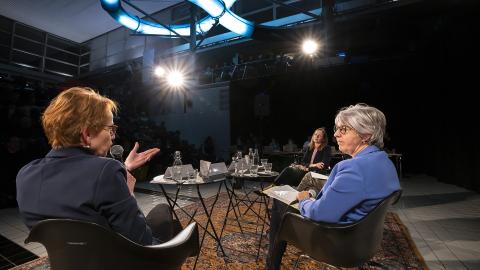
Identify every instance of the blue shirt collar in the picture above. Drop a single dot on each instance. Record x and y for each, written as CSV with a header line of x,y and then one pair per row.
x,y
369,149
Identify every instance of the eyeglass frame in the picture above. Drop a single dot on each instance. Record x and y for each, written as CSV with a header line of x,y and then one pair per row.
x,y
343,129
112,129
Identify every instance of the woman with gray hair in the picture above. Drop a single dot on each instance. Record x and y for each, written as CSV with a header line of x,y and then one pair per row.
x,y
355,186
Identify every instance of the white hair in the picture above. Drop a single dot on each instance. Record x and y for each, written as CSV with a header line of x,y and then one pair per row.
x,y
366,120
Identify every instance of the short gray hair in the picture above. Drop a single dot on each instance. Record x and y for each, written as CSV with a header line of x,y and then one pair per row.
x,y
366,120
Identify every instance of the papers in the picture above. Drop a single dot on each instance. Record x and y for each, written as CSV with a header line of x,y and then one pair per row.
x,y
318,176
160,179
204,168
212,171
285,194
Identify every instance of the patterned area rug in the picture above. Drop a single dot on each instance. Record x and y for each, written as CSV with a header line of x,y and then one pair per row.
x,y
397,251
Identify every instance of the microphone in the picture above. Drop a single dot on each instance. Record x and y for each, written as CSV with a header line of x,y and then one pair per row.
x,y
116,151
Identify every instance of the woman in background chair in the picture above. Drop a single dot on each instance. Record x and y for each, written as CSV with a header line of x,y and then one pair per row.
x,y
316,158
318,155
355,186
76,181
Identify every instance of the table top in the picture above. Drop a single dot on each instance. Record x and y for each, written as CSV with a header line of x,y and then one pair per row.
x,y
256,176
198,181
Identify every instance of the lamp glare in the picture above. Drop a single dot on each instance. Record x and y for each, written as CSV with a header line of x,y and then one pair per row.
x,y
159,71
309,47
175,79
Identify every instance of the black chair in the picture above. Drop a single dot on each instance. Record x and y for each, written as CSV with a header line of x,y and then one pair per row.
x,y
73,244
339,245
289,176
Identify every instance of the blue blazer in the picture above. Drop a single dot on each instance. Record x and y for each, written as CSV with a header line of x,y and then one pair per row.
x,y
76,184
355,186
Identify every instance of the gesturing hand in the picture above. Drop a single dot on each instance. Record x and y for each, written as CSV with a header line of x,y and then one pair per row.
x,y
135,160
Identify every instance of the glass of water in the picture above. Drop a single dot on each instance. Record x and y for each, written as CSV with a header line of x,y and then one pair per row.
x,y
253,169
242,168
193,175
263,161
268,168
177,173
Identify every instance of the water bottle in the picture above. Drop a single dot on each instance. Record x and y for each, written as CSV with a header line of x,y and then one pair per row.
x,y
250,156
177,166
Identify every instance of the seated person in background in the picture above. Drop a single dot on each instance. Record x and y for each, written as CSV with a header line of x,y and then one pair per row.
x,y
318,155
75,180
208,150
316,158
355,186
274,145
290,146
306,144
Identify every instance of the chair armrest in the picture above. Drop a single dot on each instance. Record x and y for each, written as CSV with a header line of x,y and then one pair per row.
x,y
180,238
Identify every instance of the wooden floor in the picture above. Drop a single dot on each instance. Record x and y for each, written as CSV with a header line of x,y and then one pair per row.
x,y
443,220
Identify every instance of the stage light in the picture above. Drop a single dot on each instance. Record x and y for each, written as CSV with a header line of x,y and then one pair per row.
x,y
159,71
175,79
310,47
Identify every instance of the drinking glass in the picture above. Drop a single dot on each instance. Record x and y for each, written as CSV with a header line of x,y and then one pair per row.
x,y
264,161
193,175
235,160
242,168
253,170
177,173
268,168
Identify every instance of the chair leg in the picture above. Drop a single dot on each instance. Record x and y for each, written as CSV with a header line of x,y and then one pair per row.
x,y
297,262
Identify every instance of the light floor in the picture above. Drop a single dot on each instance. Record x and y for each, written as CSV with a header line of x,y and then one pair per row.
x,y
443,220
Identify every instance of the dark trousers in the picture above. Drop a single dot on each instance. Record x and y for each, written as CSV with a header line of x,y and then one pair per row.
x,y
289,176
276,248
160,221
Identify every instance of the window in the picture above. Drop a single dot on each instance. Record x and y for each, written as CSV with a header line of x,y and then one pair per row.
x,y
30,33
28,46
27,60
62,56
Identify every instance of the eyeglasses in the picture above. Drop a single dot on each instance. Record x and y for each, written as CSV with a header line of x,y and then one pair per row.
x,y
342,129
112,129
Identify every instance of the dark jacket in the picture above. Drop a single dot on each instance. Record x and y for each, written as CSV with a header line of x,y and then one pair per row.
x,y
324,155
73,183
